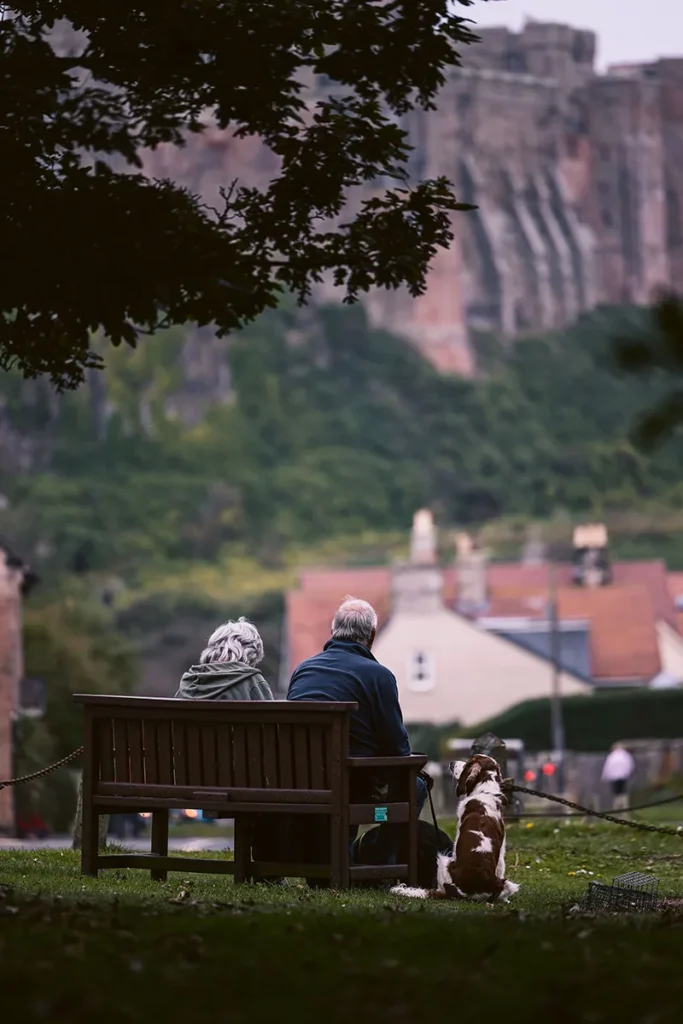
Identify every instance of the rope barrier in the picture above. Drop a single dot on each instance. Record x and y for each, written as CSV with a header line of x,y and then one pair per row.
x,y
604,815
43,771
508,786
613,810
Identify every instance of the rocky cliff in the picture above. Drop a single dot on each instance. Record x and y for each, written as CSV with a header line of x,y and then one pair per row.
x,y
578,179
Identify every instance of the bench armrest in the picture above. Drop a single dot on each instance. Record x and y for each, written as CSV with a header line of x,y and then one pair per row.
x,y
414,761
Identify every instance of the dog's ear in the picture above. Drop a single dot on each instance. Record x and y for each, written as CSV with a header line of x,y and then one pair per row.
x,y
468,778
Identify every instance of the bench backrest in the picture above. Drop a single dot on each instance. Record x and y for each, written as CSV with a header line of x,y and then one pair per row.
x,y
295,745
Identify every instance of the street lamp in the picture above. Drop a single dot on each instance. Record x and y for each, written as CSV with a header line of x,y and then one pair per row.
x,y
556,553
556,717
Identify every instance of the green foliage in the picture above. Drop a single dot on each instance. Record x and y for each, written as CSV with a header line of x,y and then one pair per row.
x,y
426,738
333,429
592,723
97,246
73,650
655,349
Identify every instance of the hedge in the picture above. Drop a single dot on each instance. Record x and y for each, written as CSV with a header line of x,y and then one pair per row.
x,y
592,723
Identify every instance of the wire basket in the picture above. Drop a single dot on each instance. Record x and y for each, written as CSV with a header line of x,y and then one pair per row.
x,y
633,893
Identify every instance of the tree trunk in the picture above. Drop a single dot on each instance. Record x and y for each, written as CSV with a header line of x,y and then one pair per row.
x,y
78,825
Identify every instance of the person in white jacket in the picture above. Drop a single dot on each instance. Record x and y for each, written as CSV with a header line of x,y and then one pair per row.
x,y
617,771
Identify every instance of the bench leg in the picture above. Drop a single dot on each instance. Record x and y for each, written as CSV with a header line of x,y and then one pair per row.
x,y
339,849
90,838
160,841
242,849
412,832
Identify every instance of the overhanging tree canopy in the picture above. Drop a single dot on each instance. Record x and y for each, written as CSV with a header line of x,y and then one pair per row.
x,y
91,248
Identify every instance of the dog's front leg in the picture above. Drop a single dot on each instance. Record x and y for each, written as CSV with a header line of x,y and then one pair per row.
x,y
500,867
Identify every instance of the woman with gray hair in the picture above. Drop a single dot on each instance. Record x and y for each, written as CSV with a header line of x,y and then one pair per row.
x,y
227,666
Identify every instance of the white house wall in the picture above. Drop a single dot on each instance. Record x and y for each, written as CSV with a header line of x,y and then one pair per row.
x,y
476,674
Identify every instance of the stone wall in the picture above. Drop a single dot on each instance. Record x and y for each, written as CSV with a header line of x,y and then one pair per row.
x,y
10,674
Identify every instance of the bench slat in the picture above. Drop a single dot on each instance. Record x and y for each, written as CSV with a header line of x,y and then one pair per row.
x,y
151,740
255,756
105,750
136,751
302,772
194,754
271,775
285,756
158,863
143,791
209,757
224,743
180,753
163,740
318,743
223,809
239,746
121,750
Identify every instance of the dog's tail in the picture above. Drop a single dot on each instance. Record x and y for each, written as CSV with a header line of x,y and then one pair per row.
x,y
419,894
509,889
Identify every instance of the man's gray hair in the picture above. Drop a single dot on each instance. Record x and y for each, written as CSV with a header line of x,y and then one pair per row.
x,y
355,620
234,641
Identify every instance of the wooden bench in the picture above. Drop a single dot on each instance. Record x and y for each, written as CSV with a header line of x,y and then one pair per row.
x,y
236,759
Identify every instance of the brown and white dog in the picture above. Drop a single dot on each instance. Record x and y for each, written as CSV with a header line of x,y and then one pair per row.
x,y
476,868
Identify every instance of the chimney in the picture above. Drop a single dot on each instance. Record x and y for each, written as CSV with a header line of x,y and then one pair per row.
x,y
417,587
591,560
423,539
534,551
471,563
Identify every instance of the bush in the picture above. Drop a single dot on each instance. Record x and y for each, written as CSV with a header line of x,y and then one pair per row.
x,y
592,723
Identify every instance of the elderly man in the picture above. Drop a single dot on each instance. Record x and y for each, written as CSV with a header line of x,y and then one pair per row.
x,y
346,670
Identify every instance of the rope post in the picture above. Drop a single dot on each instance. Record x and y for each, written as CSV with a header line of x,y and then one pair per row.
x,y
492,746
78,824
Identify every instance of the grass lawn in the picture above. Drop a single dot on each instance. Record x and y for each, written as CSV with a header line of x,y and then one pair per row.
x,y
121,948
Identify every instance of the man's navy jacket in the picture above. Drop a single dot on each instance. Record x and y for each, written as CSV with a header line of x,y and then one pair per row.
x,y
347,671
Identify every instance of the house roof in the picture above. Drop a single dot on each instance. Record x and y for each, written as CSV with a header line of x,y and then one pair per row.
x,y
311,608
621,619
622,616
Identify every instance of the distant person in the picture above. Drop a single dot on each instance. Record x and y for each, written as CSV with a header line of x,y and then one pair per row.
x,y
347,670
227,666
617,770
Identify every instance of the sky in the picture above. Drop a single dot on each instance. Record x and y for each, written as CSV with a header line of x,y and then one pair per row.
x,y
627,29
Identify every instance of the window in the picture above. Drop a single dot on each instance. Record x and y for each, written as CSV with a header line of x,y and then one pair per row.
x,y
421,672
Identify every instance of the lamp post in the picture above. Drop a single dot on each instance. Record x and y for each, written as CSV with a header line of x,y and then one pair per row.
x,y
556,717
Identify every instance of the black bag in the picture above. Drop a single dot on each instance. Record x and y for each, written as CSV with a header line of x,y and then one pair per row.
x,y
377,845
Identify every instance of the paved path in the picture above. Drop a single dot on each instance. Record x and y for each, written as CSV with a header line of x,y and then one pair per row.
x,y
188,844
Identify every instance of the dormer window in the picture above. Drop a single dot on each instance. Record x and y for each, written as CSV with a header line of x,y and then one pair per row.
x,y
421,676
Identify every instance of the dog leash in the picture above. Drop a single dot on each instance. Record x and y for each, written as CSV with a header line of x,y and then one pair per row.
x,y
436,824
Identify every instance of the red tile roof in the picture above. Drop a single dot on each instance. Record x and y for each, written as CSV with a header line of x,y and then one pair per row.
x,y
311,608
622,622
622,616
